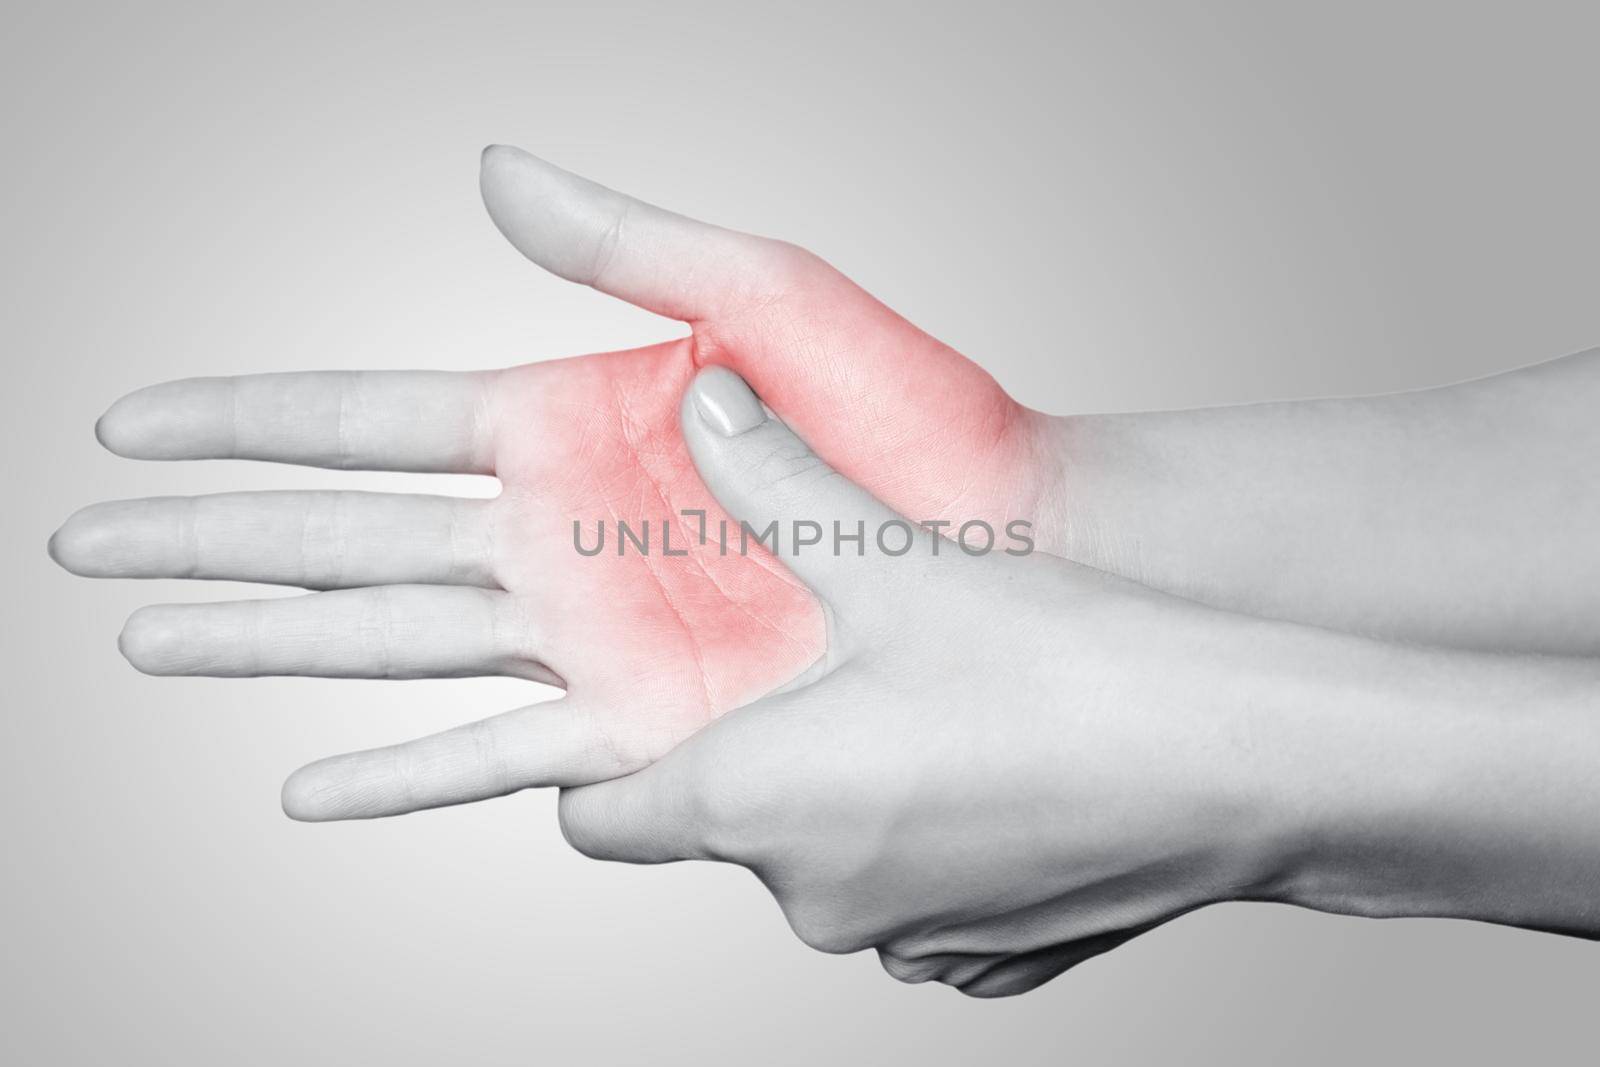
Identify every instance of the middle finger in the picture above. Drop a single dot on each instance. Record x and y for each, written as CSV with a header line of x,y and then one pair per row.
x,y
313,540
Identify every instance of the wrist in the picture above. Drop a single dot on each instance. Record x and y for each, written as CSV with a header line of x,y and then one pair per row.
x,y
1198,709
1064,514
1105,493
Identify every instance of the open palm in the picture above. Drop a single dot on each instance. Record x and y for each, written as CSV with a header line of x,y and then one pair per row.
x,y
648,646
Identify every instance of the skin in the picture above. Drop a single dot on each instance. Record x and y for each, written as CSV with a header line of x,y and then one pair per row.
x,y
1119,757
1341,513
1122,757
649,649
1464,516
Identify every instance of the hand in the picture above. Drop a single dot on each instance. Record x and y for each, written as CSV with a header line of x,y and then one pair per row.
x,y
1009,764
1212,505
649,648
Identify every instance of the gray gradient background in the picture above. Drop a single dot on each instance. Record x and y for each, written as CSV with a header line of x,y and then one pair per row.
x,y
1111,209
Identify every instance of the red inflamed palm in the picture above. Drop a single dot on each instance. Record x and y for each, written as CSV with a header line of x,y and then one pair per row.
x,y
679,616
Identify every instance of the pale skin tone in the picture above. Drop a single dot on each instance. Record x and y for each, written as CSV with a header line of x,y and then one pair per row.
x,y
1464,516
1461,517
1105,757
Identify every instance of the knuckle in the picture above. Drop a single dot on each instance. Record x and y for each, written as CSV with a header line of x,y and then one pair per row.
x,y
512,632
788,463
912,972
993,984
347,393
607,240
581,826
791,266
489,751
720,811
469,535
325,539
406,775
822,926
194,531
375,627
738,796
594,826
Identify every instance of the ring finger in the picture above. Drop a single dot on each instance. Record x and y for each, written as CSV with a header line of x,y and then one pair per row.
x,y
393,631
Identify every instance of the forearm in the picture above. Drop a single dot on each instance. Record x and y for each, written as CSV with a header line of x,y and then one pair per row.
x,y
1384,515
1425,782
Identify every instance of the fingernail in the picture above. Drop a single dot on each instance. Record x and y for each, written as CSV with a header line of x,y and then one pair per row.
x,y
725,403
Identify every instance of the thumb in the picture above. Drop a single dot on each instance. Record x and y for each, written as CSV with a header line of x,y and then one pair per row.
x,y
849,547
648,256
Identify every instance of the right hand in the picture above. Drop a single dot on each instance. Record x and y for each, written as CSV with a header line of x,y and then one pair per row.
x,y
1006,765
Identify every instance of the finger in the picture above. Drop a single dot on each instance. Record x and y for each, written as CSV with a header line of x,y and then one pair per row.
x,y
429,421
1014,975
649,816
948,967
389,631
316,540
650,257
773,484
690,803
546,744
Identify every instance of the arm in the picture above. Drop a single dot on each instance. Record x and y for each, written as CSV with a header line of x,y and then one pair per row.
x,y
1377,515
1010,765
1228,506
1446,784
1466,515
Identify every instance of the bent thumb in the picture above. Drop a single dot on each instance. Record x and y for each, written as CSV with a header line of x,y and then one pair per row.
x,y
849,547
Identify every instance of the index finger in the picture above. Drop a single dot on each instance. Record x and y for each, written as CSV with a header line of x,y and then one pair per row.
x,y
692,803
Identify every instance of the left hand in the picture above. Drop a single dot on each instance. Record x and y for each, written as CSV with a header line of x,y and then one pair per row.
x,y
649,649
1004,766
